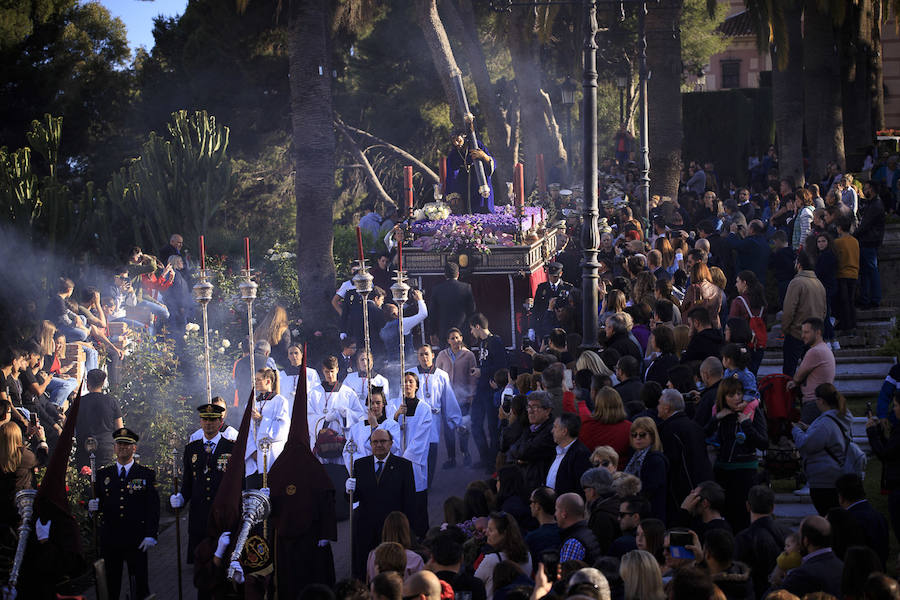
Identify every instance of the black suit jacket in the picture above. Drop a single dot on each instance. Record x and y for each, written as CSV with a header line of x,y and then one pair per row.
x,y
534,452
451,303
874,526
820,573
576,461
129,509
684,444
542,296
394,490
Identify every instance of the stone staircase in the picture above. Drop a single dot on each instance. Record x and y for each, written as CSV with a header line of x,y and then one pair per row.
x,y
859,375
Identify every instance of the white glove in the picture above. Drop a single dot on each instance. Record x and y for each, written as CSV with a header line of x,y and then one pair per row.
x,y
93,505
146,544
176,500
343,336
323,543
264,491
42,530
9,593
332,415
350,485
238,572
222,544
436,409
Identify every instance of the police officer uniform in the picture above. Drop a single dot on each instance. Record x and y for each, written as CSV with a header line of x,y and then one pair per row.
x,y
129,514
204,466
543,294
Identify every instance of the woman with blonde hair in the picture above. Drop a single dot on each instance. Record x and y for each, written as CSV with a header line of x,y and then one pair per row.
x,y
18,468
649,464
274,329
607,425
396,529
668,254
591,361
703,292
641,575
606,457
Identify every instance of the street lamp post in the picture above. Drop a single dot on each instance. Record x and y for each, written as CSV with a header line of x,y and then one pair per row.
x,y
567,99
590,213
621,82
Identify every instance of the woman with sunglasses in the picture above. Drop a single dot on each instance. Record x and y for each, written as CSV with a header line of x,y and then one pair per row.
x,y
649,464
740,432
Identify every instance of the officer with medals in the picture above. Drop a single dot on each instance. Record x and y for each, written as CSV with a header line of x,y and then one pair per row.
x,y
129,512
204,466
554,287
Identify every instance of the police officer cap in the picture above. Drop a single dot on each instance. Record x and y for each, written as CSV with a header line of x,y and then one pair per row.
x,y
554,268
211,411
125,435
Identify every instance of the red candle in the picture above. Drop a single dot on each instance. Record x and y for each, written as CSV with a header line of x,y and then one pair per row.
x,y
408,187
400,255
202,254
247,253
542,177
444,175
519,184
359,244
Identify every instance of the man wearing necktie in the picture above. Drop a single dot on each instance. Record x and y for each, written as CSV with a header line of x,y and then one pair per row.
x,y
129,512
204,467
554,287
382,483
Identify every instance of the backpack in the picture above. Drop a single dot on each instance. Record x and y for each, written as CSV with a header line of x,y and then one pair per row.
x,y
855,460
757,327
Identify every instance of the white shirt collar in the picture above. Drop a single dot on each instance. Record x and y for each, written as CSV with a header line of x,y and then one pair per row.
x,y
215,441
563,449
127,467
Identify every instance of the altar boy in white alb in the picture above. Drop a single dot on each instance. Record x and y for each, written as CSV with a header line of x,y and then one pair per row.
x,y
288,376
436,391
358,437
415,420
359,383
332,405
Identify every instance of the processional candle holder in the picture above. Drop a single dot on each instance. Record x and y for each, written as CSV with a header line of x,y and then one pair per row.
x,y
248,289
255,509
364,284
25,506
203,292
400,294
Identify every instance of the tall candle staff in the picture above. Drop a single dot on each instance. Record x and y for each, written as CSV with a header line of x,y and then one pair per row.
x,y
248,295
519,190
203,290
363,282
400,293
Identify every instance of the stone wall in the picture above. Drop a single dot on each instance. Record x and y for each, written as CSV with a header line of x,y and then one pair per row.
x,y
889,265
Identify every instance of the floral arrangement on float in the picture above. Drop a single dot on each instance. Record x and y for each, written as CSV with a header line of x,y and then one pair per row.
x,y
436,230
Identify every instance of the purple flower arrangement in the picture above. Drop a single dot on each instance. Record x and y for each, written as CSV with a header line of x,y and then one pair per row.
x,y
473,232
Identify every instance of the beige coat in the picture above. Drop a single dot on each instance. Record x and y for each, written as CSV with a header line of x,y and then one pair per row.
x,y
805,298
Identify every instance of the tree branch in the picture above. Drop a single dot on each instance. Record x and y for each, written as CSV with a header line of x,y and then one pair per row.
x,y
392,148
365,164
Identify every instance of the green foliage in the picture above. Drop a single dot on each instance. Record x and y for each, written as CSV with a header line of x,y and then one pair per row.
x,y
700,38
179,183
892,345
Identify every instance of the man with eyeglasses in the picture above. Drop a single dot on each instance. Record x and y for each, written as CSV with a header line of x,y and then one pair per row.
x,y
631,510
535,451
382,483
543,509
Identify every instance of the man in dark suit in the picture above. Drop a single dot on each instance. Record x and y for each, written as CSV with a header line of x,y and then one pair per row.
x,y
759,545
684,445
381,483
872,524
451,304
554,287
535,449
821,570
572,457
204,466
129,511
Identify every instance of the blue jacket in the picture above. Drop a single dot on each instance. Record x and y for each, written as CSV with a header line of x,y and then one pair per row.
x,y
822,470
752,254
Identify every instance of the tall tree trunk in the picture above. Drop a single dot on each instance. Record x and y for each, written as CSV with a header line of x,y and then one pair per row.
x,y
441,52
822,90
664,96
461,19
856,49
313,151
787,96
540,132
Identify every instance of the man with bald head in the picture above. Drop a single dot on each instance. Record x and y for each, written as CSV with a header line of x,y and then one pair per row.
x,y
423,585
578,541
381,483
820,570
